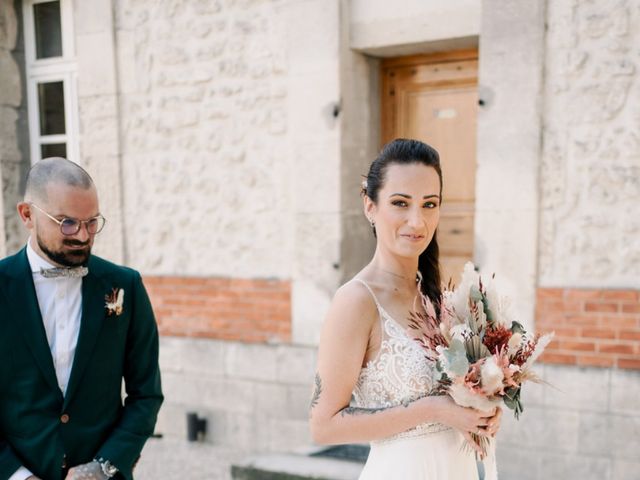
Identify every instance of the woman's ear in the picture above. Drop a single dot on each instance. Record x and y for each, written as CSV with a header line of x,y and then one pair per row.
x,y
369,209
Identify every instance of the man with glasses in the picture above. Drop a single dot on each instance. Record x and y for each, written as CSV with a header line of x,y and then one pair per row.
x,y
72,327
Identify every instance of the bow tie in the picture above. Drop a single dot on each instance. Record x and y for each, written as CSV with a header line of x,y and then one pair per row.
x,y
64,272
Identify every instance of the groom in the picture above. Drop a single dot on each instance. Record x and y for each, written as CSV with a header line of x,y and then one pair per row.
x,y
72,327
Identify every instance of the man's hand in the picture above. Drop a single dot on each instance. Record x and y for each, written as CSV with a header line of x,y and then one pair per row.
x,y
88,471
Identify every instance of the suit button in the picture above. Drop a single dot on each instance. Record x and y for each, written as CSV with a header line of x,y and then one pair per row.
x,y
64,418
64,461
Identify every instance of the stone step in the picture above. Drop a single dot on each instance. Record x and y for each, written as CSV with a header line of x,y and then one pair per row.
x,y
292,466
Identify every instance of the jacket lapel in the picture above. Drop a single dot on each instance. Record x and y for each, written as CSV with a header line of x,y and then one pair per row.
x,y
93,312
27,313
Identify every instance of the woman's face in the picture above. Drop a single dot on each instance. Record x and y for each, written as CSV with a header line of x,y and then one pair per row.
x,y
408,209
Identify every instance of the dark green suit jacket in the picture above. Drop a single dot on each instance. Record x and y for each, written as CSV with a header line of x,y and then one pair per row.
x,y
42,430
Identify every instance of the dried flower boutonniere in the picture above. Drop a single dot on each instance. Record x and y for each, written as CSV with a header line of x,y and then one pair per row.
x,y
114,301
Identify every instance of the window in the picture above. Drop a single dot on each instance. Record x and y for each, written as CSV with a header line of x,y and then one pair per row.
x,y
51,79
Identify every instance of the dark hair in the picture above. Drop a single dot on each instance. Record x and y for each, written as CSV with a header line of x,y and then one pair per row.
x,y
405,152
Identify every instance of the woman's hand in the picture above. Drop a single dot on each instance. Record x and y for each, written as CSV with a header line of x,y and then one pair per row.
x,y
493,423
466,420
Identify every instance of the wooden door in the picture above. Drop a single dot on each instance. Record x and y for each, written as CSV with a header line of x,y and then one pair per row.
x,y
434,98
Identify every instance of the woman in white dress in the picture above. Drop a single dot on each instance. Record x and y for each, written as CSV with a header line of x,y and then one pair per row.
x,y
373,377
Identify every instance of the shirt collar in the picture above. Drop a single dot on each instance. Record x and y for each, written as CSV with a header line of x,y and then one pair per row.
x,y
36,262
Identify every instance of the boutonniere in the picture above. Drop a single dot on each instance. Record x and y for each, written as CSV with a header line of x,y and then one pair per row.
x,y
114,301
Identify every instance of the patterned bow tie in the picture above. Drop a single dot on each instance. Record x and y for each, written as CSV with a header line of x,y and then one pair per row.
x,y
64,272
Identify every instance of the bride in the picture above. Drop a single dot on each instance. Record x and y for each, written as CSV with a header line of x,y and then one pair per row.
x,y
373,377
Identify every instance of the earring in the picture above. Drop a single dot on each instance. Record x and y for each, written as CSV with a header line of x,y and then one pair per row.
x,y
373,224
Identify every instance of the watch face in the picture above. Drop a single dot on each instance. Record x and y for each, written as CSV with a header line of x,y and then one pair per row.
x,y
110,469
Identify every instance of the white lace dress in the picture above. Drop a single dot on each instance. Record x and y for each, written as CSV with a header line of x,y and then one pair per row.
x,y
400,373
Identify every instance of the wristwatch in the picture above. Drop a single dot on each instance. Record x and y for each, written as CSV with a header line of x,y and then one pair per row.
x,y
108,468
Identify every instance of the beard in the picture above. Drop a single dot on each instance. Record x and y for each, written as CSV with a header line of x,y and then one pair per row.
x,y
72,258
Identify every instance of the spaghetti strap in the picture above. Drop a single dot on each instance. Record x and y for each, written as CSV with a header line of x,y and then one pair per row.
x,y
375,299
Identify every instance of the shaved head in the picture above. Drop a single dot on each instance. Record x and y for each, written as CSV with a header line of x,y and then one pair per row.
x,y
54,170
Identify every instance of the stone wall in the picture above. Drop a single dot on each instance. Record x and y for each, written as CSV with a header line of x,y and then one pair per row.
x,y
584,424
14,159
203,122
590,175
509,131
254,397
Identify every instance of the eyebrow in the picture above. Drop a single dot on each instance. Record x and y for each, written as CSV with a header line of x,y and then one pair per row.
x,y
404,195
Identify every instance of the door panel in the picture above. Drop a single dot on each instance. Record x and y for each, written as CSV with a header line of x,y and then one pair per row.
x,y
435,99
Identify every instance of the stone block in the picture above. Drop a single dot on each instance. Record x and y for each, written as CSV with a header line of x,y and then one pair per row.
x,y
595,434
198,356
270,400
625,437
298,400
312,26
625,470
251,362
241,431
578,388
311,101
8,26
93,17
296,364
11,91
381,24
96,61
310,304
555,466
542,427
172,420
516,463
625,391
287,435
9,153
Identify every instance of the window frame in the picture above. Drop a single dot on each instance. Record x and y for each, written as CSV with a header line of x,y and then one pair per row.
x,y
52,69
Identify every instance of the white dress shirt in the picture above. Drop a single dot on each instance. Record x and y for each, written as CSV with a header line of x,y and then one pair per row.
x,y
60,301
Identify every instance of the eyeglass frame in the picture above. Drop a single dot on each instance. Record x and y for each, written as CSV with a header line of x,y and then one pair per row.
x,y
79,222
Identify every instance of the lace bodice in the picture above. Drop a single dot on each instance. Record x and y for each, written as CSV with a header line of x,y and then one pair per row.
x,y
400,373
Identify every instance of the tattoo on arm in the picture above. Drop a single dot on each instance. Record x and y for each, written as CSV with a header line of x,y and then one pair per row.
x,y
369,411
316,391
359,411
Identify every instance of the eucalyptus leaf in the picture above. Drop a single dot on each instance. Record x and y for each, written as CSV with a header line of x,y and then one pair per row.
x,y
475,294
456,356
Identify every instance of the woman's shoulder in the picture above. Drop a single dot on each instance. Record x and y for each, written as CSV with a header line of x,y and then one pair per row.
x,y
354,300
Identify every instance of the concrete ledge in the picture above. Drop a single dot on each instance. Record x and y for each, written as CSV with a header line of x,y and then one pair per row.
x,y
294,467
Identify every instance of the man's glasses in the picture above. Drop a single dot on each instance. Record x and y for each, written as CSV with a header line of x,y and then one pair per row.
x,y
71,226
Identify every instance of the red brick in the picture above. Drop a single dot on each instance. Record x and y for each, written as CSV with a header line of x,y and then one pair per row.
x,y
551,306
253,310
630,363
608,333
629,335
565,332
576,294
582,320
631,308
606,307
561,358
544,293
625,348
624,295
576,346
619,321
596,361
